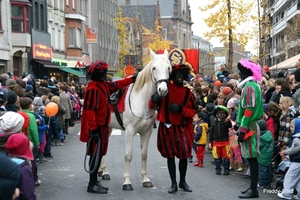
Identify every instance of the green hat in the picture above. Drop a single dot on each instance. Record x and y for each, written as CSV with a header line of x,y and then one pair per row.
x,y
221,108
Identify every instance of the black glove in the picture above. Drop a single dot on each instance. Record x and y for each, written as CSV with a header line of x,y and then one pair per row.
x,y
175,108
241,137
134,77
236,127
94,134
155,97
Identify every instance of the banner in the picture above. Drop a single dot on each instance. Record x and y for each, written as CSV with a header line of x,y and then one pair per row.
x,y
91,35
192,57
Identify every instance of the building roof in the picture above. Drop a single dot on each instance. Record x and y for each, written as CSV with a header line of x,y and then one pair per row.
x,y
147,14
166,6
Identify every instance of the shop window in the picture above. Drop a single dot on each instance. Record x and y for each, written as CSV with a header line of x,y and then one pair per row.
x,y
20,18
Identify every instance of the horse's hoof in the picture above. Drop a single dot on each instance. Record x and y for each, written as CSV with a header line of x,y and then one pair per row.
x,y
127,187
147,184
106,177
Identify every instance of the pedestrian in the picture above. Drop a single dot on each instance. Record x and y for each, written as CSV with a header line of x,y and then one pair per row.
x,y
292,177
96,117
219,139
175,131
19,148
200,133
33,135
266,147
65,101
42,128
249,112
58,137
10,176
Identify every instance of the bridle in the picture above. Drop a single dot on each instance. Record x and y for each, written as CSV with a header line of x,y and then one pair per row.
x,y
156,82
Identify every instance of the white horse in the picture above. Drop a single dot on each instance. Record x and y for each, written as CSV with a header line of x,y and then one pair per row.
x,y
137,117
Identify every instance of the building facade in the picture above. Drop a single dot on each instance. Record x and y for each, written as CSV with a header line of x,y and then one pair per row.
x,y
175,18
279,52
102,15
206,56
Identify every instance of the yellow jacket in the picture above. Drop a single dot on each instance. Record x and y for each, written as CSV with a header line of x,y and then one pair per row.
x,y
200,131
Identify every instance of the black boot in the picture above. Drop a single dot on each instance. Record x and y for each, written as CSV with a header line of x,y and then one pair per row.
x,y
173,188
96,189
249,195
185,187
101,186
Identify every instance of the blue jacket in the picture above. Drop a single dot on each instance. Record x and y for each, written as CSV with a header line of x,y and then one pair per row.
x,y
41,126
294,144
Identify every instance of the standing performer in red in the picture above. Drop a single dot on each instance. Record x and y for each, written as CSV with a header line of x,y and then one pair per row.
x,y
175,133
96,117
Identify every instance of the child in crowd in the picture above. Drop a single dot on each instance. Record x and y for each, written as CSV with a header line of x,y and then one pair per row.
x,y
200,130
219,139
266,146
271,116
19,148
59,121
26,105
42,128
292,177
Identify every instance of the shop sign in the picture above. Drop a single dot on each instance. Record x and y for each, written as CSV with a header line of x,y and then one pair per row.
x,y
91,35
40,51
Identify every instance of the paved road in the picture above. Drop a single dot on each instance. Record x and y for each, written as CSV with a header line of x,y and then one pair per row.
x,y
63,177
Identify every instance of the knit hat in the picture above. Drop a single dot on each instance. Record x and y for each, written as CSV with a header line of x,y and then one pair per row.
x,y
19,145
262,125
11,122
221,108
226,91
28,88
210,107
204,116
11,97
297,75
10,82
218,83
10,176
37,101
3,95
29,82
232,102
297,63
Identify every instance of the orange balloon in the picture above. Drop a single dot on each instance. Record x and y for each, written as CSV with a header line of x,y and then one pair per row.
x,y
51,109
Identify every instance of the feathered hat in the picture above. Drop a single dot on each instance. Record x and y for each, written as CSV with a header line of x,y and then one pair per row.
x,y
221,108
247,66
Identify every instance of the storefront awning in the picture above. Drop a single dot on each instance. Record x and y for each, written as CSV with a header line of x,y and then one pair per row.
x,y
73,71
47,63
289,63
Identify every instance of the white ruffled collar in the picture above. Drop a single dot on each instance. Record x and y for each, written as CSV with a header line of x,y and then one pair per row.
x,y
243,82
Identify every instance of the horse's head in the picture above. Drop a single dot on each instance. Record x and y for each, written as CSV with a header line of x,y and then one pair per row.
x,y
160,69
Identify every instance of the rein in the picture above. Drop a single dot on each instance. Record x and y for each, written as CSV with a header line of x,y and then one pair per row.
x,y
132,110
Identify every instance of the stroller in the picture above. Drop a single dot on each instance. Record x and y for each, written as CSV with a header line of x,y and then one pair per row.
x,y
282,168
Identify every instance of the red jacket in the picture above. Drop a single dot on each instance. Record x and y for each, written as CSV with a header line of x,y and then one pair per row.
x,y
96,106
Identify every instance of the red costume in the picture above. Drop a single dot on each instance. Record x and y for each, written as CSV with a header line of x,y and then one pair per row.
x,y
177,139
96,109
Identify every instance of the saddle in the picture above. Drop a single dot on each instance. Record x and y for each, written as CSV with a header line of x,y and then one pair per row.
x,y
114,99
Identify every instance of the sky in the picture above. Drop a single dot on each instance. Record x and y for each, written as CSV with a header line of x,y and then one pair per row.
x,y
199,26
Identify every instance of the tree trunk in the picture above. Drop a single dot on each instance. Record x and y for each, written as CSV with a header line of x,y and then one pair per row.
x,y
230,40
259,34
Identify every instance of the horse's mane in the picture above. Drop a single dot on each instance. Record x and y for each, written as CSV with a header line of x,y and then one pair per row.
x,y
143,77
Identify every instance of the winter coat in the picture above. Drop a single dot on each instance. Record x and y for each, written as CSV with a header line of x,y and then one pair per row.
x,y
266,147
219,131
296,98
65,101
200,131
282,93
293,149
26,184
60,116
42,127
284,130
33,134
10,175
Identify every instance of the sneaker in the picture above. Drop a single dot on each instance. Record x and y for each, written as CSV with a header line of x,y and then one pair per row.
x,y
38,182
281,196
191,159
296,197
260,186
59,144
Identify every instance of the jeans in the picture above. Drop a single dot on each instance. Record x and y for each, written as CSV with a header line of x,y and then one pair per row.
x,y
47,150
265,175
